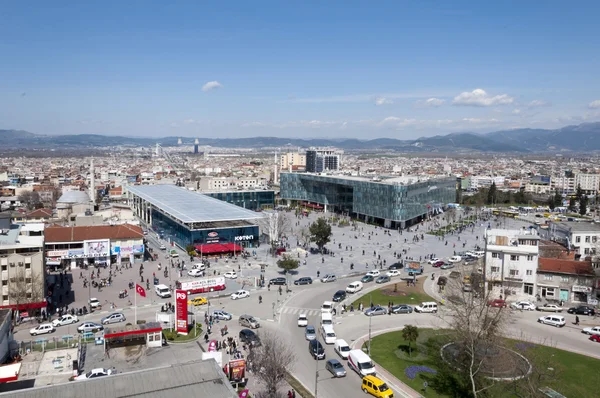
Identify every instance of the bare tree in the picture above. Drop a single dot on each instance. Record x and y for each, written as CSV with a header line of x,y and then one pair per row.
x,y
24,287
31,199
270,361
277,225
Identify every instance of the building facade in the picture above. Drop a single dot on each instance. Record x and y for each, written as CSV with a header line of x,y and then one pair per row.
x,y
292,159
581,237
251,200
566,280
323,159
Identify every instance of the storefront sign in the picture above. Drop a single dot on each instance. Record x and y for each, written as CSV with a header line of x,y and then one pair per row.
x,y
75,253
96,248
244,237
212,237
181,311
138,249
57,253
213,234
582,289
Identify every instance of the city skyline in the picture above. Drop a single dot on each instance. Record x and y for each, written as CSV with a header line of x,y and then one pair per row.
x,y
312,70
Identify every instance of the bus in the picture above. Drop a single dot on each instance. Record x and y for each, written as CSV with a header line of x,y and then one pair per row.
x,y
201,285
505,213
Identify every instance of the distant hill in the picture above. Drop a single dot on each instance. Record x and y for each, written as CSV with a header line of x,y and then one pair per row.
x,y
577,138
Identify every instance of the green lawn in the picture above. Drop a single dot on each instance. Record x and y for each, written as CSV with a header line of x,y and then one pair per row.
x,y
412,298
570,374
179,338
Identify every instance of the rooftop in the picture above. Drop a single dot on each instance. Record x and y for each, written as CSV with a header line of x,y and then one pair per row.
x,y
562,266
190,207
574,226
74,197
381,179
78,234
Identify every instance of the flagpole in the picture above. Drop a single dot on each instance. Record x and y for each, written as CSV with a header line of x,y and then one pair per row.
x,y
135,305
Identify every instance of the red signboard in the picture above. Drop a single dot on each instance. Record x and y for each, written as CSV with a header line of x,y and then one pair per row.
x,y
181,311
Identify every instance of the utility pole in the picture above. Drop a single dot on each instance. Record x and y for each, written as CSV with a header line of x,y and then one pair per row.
x,y
317,365
370,318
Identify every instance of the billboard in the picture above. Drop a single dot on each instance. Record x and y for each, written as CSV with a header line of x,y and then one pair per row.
x,y
96,248
181,320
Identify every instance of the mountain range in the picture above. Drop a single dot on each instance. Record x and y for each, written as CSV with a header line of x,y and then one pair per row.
x,y
575,138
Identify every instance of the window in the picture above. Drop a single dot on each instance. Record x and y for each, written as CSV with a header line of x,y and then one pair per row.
x,y
4,268
514,257
495,255
528,289
578,239
547,277
587,239
495,269
27,265
529,258
4,282
514,272
549,292
586,250
594,239
5,297
564,279
529,272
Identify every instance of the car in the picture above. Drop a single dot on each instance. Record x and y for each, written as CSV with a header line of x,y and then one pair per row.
x,y
376,310
249,337
198,301
339,296
467,288
230,274
42,329
316,350
278,281
367,279
592,330
375,386
470,260
553,320
447,266
382,279
335,368
222,315
302,320
455,259
374,273
523,305
328,278
498,303
402,309
595,337
94,374
392,273
342,348
582,310
327,307
94,303
438,264
195,272
433,260
240,294
65,320
310,333
200,266
396,266
89,327
550,308
248,321
305,280
163,247
115,317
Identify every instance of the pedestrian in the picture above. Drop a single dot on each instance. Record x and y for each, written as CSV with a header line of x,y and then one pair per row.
x,y
576,320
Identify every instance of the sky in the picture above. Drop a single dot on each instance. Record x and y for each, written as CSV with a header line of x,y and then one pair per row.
x,y
305,69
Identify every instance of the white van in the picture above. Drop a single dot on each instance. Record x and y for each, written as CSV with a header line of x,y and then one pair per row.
x,y
327,307
328,334
428,306
361,363
162,291
326,318
354,287
342,348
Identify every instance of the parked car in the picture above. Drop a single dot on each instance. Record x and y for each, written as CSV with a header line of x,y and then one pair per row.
x,y
550,308
376,310
339,296
198,301
595,337
222,315
196,272
42,329
433,260
582,310
438,264
396,266
302,320
393,272
402,309
113,318
89,327
65,320
305,280
523,305
592,330
553,320
316,350
382,279
328,278
455,259
249,337
94,374
230,274
497,303
374,273
240,294
278,281
335,368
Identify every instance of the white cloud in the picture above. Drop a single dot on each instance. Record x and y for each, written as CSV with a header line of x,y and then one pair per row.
x,y
594,104
211,86
516,112
431,103
383,101
538,104
479,97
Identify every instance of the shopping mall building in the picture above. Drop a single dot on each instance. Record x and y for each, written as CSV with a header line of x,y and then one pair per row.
x,y
393,202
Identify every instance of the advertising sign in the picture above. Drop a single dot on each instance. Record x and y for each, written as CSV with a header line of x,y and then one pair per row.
x,y
75,253
212,237
57,253
96,248
138,249
243,238
181,311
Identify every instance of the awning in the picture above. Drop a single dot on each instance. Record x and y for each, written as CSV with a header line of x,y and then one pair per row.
x,y
26,306
216,248
10,372
50,262
132,332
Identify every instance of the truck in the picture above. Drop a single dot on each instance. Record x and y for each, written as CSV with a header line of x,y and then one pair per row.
x,y
413,268
201,285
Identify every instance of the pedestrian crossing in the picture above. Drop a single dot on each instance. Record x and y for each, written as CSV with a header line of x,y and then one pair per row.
x,y
298,311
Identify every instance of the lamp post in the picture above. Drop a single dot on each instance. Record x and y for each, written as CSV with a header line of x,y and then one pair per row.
x,y
317,366
370,318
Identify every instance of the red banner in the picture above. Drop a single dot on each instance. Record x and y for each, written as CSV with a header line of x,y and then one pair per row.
x,y
181,311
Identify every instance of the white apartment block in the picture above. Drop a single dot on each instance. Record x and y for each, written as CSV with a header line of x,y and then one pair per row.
x,y
581,237
540,189
292,159
563,184
589,183
511,261
478,182
211,184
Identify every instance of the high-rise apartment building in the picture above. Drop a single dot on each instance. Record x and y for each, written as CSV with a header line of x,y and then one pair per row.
x,y
296,160
322,159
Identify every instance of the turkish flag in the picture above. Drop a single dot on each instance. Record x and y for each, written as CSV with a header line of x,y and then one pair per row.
x,y
244,394
140,290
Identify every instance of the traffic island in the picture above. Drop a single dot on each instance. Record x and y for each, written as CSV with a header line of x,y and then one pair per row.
x,y
397,293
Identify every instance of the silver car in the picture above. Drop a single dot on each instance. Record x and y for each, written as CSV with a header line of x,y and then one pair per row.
x,y
221,315
335,368
310,333
376,310
113,318
89,327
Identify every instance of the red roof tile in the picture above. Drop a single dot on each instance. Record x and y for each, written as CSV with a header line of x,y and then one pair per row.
x,y
40,213
562,266
78,234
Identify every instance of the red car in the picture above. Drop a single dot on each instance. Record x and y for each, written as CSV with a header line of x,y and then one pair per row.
x,y
497,303
595,337
438,264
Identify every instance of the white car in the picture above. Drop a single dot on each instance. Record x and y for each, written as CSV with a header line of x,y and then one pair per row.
x,y
94,303
240,294
195,272
163,247
592,330
65,320
433,260
200,266
230,274
553,320
374,273
94,373
393,272
42,329
455,259
302,320
523,305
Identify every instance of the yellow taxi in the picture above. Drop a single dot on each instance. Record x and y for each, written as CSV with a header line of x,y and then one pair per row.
x,y
376,387
197,301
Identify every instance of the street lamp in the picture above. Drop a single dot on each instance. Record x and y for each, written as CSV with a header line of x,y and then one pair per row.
x,y
317,366
370,318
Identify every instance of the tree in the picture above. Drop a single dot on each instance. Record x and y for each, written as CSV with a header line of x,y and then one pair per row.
x,y
572,204
278,226
270,361
410,333
23,286
583,200
320,233
558,199
30,199
551,204
287,263
492,194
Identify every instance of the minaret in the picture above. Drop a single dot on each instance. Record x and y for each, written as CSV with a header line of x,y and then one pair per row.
x,y
275,179
92,182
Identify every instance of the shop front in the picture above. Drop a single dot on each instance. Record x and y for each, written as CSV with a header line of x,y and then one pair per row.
x,y
581,294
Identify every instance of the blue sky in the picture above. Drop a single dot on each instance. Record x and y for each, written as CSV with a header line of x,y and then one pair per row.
x,y
314,69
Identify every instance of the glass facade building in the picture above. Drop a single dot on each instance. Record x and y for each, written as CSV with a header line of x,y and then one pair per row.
x,y
251,200
387,202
